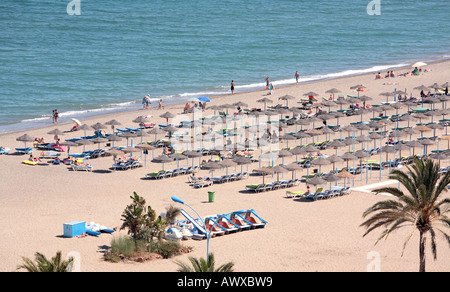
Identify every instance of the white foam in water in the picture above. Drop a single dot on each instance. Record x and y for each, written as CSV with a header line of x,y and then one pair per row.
x,y
169,99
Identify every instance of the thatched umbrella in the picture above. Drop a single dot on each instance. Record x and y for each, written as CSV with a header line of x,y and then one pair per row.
x,y
333,91
99,140
414,144
85,127
112,123
316,180
265,100
99,126
320,161
162,159
347,156
279,169
192,153
114,138
241,161
227,163
287,98
422,129
297,151
426,143
331,177
146,148
68,144
293,167
55,132
345,175
84,142
128,135
25,138
263,171
334,159
211,165
284,153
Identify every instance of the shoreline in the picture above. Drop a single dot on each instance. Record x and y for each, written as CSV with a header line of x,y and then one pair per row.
x,y
19,127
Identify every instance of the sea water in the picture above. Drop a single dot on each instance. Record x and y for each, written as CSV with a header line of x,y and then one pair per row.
x,y
89,57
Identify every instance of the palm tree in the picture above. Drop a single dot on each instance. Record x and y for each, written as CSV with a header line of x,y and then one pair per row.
x,y
422,208
202,265
44,265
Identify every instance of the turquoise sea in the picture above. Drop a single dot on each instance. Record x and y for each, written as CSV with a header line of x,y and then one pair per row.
x,y
115,52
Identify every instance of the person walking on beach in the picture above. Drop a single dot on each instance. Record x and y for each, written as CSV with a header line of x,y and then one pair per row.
x,y
232,86
160,104
297,76
146,101
55,116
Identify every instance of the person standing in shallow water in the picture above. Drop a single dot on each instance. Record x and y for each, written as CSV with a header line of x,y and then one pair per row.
x,y
232,86
297,76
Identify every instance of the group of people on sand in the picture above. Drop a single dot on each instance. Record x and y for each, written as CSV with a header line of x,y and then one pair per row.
x,y
146,102
391,74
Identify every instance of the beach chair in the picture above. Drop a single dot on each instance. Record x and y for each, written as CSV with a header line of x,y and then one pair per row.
x,y
255,188
156,175
83,167
314,195
202,184
269,187
24,150
276,185
4,151
297,194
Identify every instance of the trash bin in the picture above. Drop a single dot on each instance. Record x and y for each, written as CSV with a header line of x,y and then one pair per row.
x,y
211,195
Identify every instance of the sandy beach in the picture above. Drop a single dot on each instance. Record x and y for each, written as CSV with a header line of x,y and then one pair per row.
x,y
300,236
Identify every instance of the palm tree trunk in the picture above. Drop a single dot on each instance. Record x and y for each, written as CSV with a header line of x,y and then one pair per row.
x,y
422,251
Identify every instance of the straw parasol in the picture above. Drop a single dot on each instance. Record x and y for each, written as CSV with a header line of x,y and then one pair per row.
x,y
162,159
284,153
287,98
265,100
99,126
263,171
334,159
68,144
279,169
56,132
320,161
426,143
316,180
112,123
99,140
211,165
146,147
293,166
25,138
115,152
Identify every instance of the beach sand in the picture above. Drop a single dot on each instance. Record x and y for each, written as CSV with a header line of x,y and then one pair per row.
x,y
300,236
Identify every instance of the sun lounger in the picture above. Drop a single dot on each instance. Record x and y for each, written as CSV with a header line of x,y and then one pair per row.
x,y
314,195
4,151
255,187
24,150
297,194
156,175
202,184
84,167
